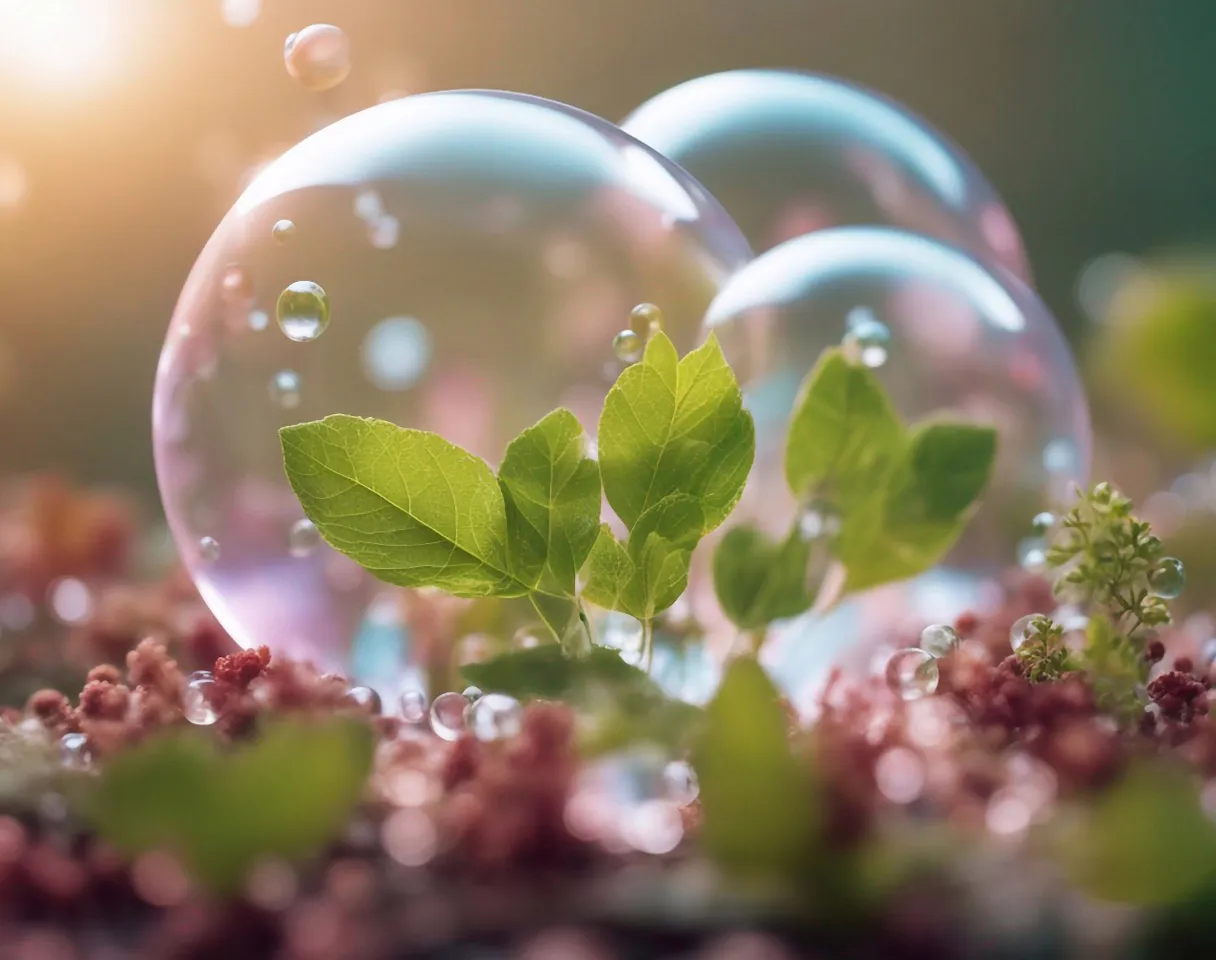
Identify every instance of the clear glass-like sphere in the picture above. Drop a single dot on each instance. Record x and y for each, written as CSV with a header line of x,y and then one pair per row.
x,y
524,234
963,343
788,153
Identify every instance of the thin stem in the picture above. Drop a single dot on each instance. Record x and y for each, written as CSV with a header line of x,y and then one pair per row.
x,y
647,644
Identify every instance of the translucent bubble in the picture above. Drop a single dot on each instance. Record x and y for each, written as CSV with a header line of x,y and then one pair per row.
x,y
1168,579
283,230
789,153
413,706
939,639
365,698
1043,522
627,346
471,693
818,519
965,344
646,319
1032,554
303,539
208,549
303,311
483,185
912,673
74,751
866,339
1020,631
198,699
495,716
448,715
318,56
284,389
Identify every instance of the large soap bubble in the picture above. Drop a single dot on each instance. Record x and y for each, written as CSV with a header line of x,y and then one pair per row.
x,y
944,335
788,153
458,262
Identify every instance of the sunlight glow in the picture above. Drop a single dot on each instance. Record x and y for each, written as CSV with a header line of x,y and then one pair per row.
x,y
64,44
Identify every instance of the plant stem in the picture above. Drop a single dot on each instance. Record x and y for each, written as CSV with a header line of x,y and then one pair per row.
x,y
647,644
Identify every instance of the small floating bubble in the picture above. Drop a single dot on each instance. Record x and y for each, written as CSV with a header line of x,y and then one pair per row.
x,y
1168,578
413,706
818,519
208,549
912,673
495,716
1032,554
318,56
1020,630
284,389
303,311
627,346
197,705
938,639
447,715
236,285
471,693
1043,522
646,319
74,751
303,539
867,340
283,230
365,698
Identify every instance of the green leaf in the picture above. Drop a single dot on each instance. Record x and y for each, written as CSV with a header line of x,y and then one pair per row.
x,y
758,581
410,507
757,806
647,575
551,489
618,704
286,795
843,435
911,522
1146,840
675,427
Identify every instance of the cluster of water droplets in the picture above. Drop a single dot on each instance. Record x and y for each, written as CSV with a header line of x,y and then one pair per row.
x,y
644,322
487,716
913,672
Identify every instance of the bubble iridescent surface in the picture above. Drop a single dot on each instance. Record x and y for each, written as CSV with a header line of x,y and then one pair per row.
x,y
788,153
528,233
964,343
318,56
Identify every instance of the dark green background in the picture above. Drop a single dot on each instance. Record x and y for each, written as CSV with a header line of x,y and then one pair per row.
x,y
1094,118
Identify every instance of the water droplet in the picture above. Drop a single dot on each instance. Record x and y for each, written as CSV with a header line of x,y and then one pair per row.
x,y
680,782
818,519
938,640
1043,522
303,539
318,56
471,693
912,673
646,319
283,230
526,638
236,285
284,389
1032,554
209,549
867,340
495,716
1168,578
303,311
258,320
365,698
197,705
1020,630
383,232
413,706
627,346
447,715
74,751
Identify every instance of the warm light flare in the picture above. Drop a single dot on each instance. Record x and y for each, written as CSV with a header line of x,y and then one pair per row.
x,y
66,44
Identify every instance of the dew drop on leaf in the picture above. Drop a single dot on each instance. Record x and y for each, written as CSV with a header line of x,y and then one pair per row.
x,y
303,539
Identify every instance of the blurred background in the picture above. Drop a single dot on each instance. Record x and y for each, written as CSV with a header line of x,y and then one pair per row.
x,y
1090,117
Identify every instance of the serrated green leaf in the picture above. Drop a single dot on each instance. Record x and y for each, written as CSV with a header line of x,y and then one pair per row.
x,y
757,808
551,490
408,506
844,435
911,522
285,795
758,580
647,575
675,427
